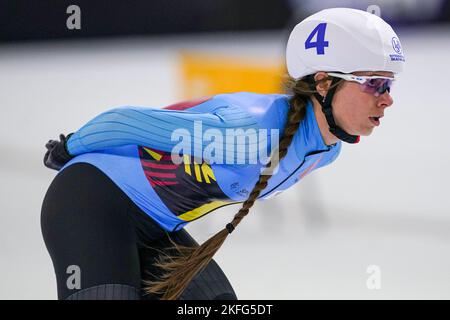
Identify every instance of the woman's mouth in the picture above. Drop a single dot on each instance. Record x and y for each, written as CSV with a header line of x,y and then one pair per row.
x,y
375,120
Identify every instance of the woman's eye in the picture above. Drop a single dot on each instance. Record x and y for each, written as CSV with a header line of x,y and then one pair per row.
x,y
372,82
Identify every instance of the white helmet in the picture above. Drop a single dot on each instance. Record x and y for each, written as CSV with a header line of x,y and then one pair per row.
x,y
344,40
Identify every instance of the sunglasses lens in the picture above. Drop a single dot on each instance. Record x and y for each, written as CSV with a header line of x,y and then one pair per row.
x,y
377,86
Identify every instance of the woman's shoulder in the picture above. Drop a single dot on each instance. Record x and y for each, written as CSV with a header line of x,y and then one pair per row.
x,y
245,98
268,110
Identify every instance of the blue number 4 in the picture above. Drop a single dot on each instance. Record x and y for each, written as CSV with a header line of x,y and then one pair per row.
x,y
320,42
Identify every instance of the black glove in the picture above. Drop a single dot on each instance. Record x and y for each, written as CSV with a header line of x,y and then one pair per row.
x,y
57,154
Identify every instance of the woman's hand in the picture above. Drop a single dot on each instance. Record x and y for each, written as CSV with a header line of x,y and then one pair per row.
x,y
57,154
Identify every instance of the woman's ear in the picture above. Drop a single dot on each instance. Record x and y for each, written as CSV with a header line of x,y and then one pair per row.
x,y
322,85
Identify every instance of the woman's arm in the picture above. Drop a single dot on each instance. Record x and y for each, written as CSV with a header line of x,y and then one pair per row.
x,y
155,127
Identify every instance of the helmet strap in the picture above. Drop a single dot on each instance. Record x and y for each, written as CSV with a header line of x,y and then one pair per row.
x,y
325,102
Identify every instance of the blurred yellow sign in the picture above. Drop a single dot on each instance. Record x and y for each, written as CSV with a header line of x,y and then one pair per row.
x,y
207,74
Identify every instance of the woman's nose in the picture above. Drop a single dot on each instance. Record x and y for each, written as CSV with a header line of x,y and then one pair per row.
x,y
385,100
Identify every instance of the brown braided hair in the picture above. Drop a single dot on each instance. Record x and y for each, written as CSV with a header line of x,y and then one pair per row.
x,y
182,266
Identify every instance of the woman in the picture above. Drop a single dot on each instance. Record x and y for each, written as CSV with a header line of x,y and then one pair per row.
x,y
113,217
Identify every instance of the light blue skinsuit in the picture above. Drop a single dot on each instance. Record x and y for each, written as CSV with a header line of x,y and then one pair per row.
x,y
132,145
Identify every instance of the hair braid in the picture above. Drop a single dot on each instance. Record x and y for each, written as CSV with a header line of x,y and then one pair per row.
x,y
182,266
295,115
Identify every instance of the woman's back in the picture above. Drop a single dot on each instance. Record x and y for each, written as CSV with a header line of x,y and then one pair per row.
x,y
223,143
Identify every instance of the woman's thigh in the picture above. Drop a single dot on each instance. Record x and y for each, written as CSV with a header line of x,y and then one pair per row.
x,y
210,284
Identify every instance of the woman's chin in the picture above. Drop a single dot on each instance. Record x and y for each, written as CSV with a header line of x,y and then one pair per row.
x,y
366,132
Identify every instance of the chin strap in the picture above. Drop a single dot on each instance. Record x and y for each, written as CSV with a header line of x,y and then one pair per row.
x,y
325,102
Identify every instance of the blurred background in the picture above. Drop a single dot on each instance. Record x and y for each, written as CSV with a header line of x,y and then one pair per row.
x,y
383,205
